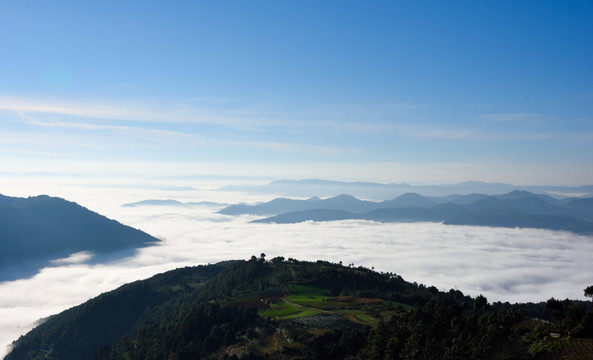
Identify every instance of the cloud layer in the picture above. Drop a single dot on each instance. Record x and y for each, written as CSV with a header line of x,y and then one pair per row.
x,y
514,265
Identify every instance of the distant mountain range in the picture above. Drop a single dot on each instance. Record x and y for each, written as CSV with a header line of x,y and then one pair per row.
x,y
39,229
514,209
378,191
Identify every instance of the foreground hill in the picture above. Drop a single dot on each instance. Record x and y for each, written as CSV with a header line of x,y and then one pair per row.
x,y
289,309
38,229
514,209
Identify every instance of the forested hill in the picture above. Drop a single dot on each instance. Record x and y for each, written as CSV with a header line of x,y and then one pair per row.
x,y
290,309
37,229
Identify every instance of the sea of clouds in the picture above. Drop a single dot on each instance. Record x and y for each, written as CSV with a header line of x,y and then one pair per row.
x,y
515,265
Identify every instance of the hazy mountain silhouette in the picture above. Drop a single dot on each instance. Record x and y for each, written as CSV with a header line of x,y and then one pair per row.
x,y
341,202
379,191
584,205
514,209
310,215
458,199
38,229
408,200
275,206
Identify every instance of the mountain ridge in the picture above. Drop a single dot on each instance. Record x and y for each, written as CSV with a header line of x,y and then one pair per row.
x,y
379,191
38,229
517,208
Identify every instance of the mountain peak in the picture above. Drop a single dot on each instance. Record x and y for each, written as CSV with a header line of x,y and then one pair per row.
x,y
43,228
516,194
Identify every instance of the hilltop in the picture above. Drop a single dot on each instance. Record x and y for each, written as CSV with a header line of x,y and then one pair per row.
x,y
289,309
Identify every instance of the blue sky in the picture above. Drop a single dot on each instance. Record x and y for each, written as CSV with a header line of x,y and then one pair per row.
x,y
390,91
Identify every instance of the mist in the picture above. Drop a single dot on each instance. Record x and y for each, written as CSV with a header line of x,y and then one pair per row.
x,y
515,265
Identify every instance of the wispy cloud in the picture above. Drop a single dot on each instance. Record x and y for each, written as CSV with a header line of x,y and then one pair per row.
x,y
396,119
223,130
154,134
256,117
100,138
141,111
437,132
473,133
531,118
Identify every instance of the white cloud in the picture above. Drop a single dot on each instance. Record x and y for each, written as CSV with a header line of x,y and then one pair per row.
x,y
76,258
184,123
69,133
503,264
530,118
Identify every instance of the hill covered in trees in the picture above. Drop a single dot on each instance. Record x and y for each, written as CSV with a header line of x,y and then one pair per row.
x,y
290,309
38,229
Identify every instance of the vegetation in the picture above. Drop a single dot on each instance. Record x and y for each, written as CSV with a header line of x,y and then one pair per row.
x,y
290,309
589,291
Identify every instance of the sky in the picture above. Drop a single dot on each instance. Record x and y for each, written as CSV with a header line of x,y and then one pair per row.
x,y
386,91
108,102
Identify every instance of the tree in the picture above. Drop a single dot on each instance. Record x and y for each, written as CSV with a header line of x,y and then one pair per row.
x,y
589,292
555,307
278,260
481,303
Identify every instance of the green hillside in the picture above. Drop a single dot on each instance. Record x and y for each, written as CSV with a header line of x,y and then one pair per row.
x,y
290,309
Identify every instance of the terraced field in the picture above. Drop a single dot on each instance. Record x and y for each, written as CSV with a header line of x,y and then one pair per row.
x,y
315,307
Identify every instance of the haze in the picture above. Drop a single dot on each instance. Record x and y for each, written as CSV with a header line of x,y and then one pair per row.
x,y
105,103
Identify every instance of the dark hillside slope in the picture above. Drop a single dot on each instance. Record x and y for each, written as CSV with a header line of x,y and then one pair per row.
x,y
290,309
581,204
38,229
190,313
79,332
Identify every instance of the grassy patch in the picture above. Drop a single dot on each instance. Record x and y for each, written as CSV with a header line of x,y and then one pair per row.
x,y
306,301
405,306
325,305
367,319
360,316
280,310
302,293
284,311
303,313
